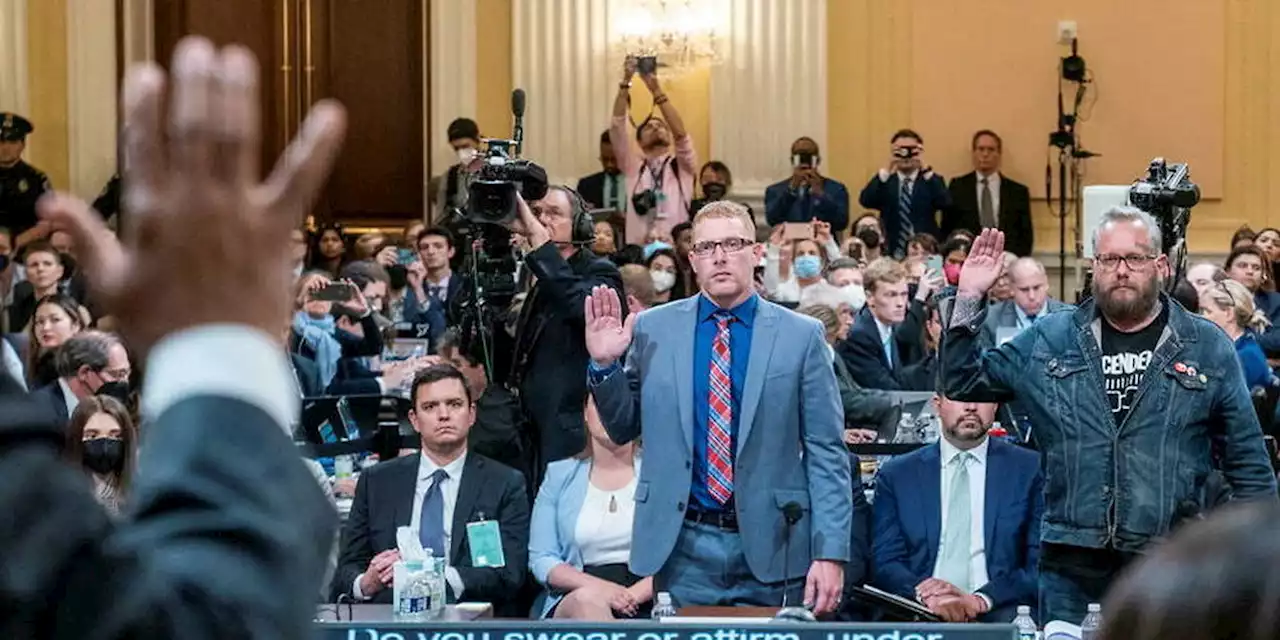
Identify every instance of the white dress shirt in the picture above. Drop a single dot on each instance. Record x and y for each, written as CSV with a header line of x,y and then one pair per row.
x,y
1023,320
68,397
993,182
448,491
978,577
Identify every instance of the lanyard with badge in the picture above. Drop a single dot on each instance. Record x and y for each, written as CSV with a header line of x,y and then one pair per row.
x,y
485,540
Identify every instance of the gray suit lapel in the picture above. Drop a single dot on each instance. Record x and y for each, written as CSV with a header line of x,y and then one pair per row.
x,y
763,336
681,337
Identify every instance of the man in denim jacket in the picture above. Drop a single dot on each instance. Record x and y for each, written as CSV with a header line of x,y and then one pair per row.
x,y
1136,405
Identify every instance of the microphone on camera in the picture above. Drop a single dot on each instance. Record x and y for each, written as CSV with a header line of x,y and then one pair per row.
x,y
792,512
517,109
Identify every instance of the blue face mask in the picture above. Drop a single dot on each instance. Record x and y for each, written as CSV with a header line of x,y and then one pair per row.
x,y
807,266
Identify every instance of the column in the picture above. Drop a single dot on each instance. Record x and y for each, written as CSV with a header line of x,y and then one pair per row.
x,y
91,94
770,89
452,60
13,50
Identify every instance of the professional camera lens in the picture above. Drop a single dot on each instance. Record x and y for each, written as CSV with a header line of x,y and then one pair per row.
x,y
492,202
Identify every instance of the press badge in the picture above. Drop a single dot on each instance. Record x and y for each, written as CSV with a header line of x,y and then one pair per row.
x,y
485,540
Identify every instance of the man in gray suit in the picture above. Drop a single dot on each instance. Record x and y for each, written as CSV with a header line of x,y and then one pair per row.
x,y
1030,301
725,466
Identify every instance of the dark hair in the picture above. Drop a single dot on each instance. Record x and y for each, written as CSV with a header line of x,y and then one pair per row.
x,y
926,241
955,244
363,272
679,229
1185,293
6,231
1247,249
605,139
85,349
318,261
718,167
69,306
905,133
960,233
463,128
1212,579
434,231
437,373
40,246
869,214
1243,233
816,149
987,132
640,127
842,263
451,339
670,253
629,254
89,407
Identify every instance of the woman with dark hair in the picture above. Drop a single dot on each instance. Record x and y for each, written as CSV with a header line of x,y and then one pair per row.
x,y
1243,237
330,251
954,252
606,240
1213,580
1269,241
56,319
668,276
922,245
102,439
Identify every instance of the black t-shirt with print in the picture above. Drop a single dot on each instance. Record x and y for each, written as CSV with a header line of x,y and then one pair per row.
x,y
1125,357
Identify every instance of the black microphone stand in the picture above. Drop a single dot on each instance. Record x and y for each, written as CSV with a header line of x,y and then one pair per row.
x,y
1066,139
792,512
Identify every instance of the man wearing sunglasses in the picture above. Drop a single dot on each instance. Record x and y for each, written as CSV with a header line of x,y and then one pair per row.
x,y
735,398
1138,406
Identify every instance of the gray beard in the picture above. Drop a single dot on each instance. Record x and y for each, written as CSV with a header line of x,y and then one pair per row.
x,y
1128,312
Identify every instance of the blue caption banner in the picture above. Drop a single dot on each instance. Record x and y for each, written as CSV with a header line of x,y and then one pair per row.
x,y
747,630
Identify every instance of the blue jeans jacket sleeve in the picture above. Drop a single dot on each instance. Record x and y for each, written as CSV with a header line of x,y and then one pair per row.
x,y
973,374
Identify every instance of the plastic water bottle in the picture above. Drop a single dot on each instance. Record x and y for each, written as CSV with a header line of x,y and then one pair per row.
x,y
433,578
344,466
1092,621
414,602
1025,624
663,607
907,431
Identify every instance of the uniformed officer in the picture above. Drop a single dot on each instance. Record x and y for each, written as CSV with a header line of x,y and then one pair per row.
x,y
21,184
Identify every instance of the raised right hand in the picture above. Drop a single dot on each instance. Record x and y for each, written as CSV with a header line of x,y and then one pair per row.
x,y
984,265
608,334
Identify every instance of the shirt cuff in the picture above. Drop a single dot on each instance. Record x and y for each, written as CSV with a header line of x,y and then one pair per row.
x,y
986,599
355,588
229,360
454,579
597,374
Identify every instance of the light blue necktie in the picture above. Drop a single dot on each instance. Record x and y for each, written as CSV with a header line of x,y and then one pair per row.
x,y
431,518
953,565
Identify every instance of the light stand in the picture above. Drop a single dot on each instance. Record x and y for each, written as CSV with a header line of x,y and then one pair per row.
x,y
1067,141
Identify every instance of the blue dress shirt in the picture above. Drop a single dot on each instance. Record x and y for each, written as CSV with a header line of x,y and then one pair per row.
x,y
740,350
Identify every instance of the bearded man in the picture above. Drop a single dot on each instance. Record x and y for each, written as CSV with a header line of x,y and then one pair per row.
x,y
1137,405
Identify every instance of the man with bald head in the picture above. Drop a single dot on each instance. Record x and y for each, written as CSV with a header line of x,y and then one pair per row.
x,y
1031,301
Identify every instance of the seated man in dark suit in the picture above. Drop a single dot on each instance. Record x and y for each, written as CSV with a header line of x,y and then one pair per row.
x,y
437,493
887,334
957,523
985,197
907,193
1030,302
88,363
606,189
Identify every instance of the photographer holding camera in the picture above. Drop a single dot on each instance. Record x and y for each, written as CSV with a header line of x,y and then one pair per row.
x,y
907,193
550,353
660,177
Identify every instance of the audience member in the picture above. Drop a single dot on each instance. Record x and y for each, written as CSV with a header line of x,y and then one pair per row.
x,y
1244,236
639,287
659,176
580,538
716,182
606,239
1269,241
367,246
1247,265
21,184
985,198
845,272
44,277
57,318
869,231
12,271
954,252
682,234
88,363
298,251
330,251
315,330
1230,306
921,246
807,195
450,487
431,280
1202,275
957,523
1030,286
664,271
907,193
453,188
102,439
1002,290
886,335
606,189
867,412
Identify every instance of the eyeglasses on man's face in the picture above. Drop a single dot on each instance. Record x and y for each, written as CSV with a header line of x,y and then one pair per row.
x,y
1134,261
707,248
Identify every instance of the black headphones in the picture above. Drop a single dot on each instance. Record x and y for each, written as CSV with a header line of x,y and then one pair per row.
x,y
584,228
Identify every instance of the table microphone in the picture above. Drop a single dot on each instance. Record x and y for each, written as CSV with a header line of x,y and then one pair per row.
x,y
792,512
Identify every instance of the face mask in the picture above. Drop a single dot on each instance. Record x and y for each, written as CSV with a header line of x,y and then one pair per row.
x,y
104,455
807,266
118,390
662,280
952,271
466,155
869,237
650,248
714,191
854,295
399,276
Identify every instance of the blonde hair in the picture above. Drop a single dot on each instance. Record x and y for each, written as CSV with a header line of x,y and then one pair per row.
x,y
882,271
636,281
1229,294
726,209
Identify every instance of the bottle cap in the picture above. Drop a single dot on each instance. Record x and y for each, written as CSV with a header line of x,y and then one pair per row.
x,y
1095,607
1024,609
664,597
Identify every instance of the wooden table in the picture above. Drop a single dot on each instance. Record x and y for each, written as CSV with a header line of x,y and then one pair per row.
x,y
382,613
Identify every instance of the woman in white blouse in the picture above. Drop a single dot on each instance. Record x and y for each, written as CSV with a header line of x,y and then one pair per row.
x,y
580,535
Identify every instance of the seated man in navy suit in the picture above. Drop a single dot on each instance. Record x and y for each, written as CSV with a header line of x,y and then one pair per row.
x,y
957,523
887,336
437,493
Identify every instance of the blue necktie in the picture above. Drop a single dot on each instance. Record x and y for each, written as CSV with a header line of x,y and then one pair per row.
x,y
431,518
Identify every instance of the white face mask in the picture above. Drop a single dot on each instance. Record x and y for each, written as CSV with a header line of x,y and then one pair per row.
x,y
662,280
466,155
854,295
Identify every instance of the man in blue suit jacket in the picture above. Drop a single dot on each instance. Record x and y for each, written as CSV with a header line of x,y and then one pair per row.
x,y
886,339
724,465
907,194
983,567
807,195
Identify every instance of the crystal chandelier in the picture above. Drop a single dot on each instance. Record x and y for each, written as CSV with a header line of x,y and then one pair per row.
x,y
683,34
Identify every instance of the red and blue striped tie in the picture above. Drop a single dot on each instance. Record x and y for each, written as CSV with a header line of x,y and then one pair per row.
x,y
719,444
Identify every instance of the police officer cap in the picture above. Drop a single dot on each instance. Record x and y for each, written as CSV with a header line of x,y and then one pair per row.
x,y
13,127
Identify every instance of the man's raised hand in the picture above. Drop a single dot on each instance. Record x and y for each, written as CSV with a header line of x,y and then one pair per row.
x,y
984,265
608,334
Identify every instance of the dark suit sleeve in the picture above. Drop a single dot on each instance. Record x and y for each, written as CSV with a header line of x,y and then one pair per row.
x,y
227,535
856,570
1020,240
500,584
889,552
909,334
861,355
921,376
1020,585
356,549
833,206
564,288
370,344
962,214
862,407
939,197
878,194
778,200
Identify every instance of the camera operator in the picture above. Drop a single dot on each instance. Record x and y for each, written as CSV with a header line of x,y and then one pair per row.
x,y
907,193
454,185
550,351
659,179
